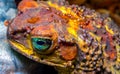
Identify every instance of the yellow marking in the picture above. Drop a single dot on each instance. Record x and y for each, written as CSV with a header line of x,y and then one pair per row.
x,y
103,46
109,30
72,29
29,42
98,26
118,53
95,36
63,9
114,71
22,48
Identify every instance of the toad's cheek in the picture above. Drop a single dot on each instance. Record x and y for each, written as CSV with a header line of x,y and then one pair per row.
x,y
68,52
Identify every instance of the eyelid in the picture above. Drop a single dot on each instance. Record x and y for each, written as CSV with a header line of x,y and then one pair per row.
x,y
41,37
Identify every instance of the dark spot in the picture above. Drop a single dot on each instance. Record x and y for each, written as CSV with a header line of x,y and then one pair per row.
x,y
40,42
42,58
87,53
84,60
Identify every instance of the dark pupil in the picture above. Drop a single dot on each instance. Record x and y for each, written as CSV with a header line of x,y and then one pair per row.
x,y
40,42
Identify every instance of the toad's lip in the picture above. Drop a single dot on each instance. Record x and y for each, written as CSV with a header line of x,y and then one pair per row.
x,y
29,53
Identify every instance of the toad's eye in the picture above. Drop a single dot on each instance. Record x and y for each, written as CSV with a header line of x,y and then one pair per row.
x,y
41,44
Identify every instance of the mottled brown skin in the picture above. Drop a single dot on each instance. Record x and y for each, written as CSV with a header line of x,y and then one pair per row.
x,y
87,46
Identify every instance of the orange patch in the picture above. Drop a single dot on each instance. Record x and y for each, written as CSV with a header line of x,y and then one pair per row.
x,y
6,22
43,30
112,55
26,4
68,52
88,26
111,51
33,20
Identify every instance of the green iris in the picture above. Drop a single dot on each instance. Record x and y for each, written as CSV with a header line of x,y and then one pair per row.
x,y
41,44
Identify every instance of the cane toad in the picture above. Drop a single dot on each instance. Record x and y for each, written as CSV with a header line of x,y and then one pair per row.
x,y
74,39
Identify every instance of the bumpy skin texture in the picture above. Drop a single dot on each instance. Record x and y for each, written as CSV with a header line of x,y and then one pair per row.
x,y
82,39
